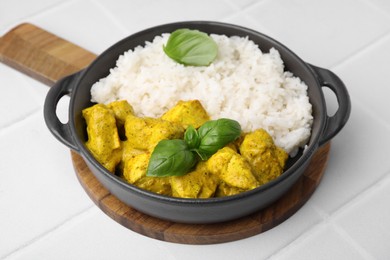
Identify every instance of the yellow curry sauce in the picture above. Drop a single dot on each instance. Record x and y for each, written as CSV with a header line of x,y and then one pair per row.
x,y
250,161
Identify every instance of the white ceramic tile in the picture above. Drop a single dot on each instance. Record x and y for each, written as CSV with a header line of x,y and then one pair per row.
x,y
322,32
323,243
366,220
102,238
83,23
241,4
17,92
257,247
148,13
13,11
38,186
243,20
358,159
94,235
366,76
384,5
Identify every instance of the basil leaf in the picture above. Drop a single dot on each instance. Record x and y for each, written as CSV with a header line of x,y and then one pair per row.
x,y
191,136
203,155
171,158
215,134
191,47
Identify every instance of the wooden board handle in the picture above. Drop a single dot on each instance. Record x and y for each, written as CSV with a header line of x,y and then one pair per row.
x,y
42,55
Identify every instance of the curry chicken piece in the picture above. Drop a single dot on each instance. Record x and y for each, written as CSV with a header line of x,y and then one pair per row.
x,y
121,110
266,158
224,190
187,113
128,151
232,169
145,133
199,183
135,167
135,173
103,139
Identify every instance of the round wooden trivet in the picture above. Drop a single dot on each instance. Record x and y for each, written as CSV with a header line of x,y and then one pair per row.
x,y
205,233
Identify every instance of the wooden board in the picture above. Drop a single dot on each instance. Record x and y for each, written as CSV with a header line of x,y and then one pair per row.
x,y
42,55
48,58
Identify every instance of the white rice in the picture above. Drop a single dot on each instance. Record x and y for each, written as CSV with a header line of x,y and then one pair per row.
x,y
242,83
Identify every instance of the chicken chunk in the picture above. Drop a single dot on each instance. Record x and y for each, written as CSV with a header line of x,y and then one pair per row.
x,y
199,183
145,133
121,110
232,169
135,173
224,190
129,151
135,167
103,139
266,158
187,113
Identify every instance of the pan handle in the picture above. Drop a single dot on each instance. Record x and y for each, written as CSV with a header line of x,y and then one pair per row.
x,y
336,122
61,131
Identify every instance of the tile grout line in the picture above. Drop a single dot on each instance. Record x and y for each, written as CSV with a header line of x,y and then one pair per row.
x,y
253,21
328,219
346,237
365,192
375,116
376,7
378,40
38,13
373,44
343,234
119,24
244,10
233,6
368,45
371,113
18,121
254,4
304,236
53,230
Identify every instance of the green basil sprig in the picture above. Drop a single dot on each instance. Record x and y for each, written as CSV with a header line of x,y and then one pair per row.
x,y
192,138
214,135
177,157
191,47
171,158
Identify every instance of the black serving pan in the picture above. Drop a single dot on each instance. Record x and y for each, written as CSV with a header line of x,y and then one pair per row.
x,y
73,133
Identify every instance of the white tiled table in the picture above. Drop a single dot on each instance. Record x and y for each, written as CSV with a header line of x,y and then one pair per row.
x,y
45,213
